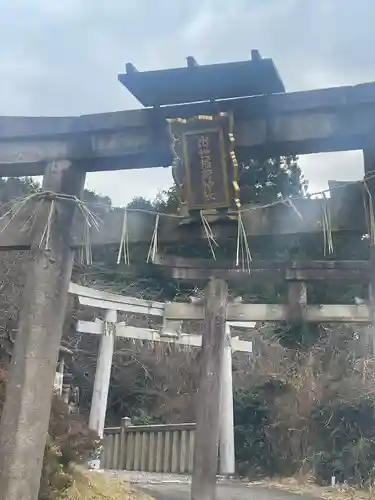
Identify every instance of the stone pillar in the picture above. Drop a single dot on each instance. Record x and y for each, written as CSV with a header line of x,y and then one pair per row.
x,y
208,418
103,374
26,411
369,164
227,456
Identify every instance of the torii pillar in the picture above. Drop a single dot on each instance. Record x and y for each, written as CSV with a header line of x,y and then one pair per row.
x,y
26,412
103,374
227,452
209,393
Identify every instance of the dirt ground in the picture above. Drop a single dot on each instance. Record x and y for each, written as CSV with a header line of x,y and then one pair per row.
x,y
100,486
224,492
177,487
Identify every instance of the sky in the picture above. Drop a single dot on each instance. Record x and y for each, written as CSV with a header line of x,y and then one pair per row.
x,y
63,57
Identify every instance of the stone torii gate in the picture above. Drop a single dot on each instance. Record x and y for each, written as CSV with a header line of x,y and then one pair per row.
x,y
173,314
110,328
64,149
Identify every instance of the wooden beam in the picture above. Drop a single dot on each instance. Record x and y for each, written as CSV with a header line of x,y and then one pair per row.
x,y
104,300
212,82
242,324
274,220
268,275
273,265
275,271
330,313
175,311
258,223
15,231
131,332
341,118
161,427
327,313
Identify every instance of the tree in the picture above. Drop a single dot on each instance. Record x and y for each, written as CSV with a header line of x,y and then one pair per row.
x,y
266,181
13,263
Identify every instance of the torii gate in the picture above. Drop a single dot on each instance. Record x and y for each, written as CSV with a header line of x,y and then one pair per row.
x,y
110,328
63,149
244,316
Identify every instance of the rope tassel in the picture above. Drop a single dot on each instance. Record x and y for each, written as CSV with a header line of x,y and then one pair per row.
x,y
290,204
209,234
327,229
86,250
90,220
124,242
243,254
154,241
46,235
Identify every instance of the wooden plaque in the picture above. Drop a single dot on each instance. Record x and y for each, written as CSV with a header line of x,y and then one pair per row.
x,y
205,166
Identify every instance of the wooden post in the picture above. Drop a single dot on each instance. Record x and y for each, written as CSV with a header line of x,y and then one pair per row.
x,y
208,402
227,458
103,374
369,166
125,423
26,412
152,452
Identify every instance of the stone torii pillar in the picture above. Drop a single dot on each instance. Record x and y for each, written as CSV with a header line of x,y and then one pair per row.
x,y
209,392
103,374
227,453
369,167
26,412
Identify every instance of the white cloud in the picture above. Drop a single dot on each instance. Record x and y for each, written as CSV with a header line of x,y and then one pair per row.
x,y
321,167
62,58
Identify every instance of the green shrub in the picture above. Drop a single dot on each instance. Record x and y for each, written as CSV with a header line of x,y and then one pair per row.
x,y
255,452
345,441
339,438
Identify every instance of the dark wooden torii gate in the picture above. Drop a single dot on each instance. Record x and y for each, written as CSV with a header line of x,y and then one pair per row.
x,y
64,149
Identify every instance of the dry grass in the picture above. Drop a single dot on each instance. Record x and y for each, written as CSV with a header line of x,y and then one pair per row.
x,y
98,486
306,485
